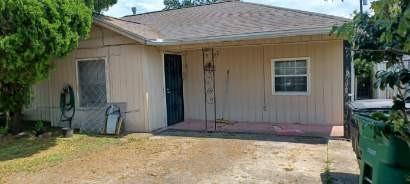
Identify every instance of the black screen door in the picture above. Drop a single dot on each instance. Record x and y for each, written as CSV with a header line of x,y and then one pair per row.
x,y
173,88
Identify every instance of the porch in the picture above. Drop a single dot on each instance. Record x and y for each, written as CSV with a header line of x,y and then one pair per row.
x,y
279,129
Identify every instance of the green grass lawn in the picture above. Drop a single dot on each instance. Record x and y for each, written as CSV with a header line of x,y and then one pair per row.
x,y
31,154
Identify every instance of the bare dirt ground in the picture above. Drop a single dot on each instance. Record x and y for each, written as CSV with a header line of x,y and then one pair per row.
x,y
176,157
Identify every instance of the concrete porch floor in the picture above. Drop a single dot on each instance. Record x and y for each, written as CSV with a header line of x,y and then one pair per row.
x,y
283,129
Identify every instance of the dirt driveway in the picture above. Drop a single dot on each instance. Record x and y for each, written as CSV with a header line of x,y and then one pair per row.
x,y
176,157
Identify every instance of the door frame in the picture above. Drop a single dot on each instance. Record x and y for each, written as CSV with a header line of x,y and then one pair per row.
x,y
165,86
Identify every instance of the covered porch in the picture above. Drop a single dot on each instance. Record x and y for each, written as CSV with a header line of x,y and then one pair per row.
x,y
230,87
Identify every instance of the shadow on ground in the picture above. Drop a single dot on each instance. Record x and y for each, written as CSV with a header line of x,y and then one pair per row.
x,y
244,136
14,148
337,177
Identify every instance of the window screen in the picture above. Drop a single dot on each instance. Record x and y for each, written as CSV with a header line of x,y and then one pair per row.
x,y
290,75
92,83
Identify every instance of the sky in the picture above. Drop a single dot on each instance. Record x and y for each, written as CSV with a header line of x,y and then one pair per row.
x,y
331,7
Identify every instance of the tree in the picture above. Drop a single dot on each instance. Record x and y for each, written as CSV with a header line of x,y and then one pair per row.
x,y
32,33
99,5
385,36
176,4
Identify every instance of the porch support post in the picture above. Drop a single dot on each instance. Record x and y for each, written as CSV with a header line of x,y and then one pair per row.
x,y
205,96
208,62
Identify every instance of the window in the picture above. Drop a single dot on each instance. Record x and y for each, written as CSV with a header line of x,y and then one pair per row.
x,y
290,76
92,82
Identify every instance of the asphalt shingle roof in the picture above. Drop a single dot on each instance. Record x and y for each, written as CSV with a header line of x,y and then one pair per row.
x,y
131,27
226,19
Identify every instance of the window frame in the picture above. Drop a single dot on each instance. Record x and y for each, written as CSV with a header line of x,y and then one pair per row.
x,y
107,84
290,93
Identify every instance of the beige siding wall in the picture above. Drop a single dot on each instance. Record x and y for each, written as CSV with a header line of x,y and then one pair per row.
x,y
246,94
126,84
136,77
154,94
39,109
125,64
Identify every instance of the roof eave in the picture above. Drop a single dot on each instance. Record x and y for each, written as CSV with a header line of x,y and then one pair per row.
x,y
249,36
120,30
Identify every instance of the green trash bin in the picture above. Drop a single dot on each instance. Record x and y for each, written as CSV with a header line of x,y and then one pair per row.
x,y
384,159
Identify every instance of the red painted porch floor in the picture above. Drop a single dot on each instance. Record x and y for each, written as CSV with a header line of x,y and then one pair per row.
x,y
282,129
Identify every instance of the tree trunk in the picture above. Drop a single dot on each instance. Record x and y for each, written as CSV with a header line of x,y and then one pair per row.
x,y
15,122
7,119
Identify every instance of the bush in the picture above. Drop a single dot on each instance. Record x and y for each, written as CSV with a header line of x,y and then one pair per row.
x,y
39,127
379,116
4,130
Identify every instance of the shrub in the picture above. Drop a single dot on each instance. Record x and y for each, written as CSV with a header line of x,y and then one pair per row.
x,y
4,130
39,127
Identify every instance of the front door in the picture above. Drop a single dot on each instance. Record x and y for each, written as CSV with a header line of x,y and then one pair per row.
x,y
173,88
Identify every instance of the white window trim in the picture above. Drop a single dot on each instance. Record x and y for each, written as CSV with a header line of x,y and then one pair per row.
x,y
307,93
107,84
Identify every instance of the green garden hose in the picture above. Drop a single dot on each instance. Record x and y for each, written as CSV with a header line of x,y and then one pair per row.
x,y
67,104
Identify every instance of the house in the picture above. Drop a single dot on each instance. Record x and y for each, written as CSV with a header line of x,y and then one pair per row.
x,y
231,61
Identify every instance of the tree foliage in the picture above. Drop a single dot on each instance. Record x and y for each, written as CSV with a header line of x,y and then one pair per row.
x,y
385,36
99,5
176,4
32,33
363,69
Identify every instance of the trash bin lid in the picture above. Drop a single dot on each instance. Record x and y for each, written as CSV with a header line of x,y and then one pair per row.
x,y
373,104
